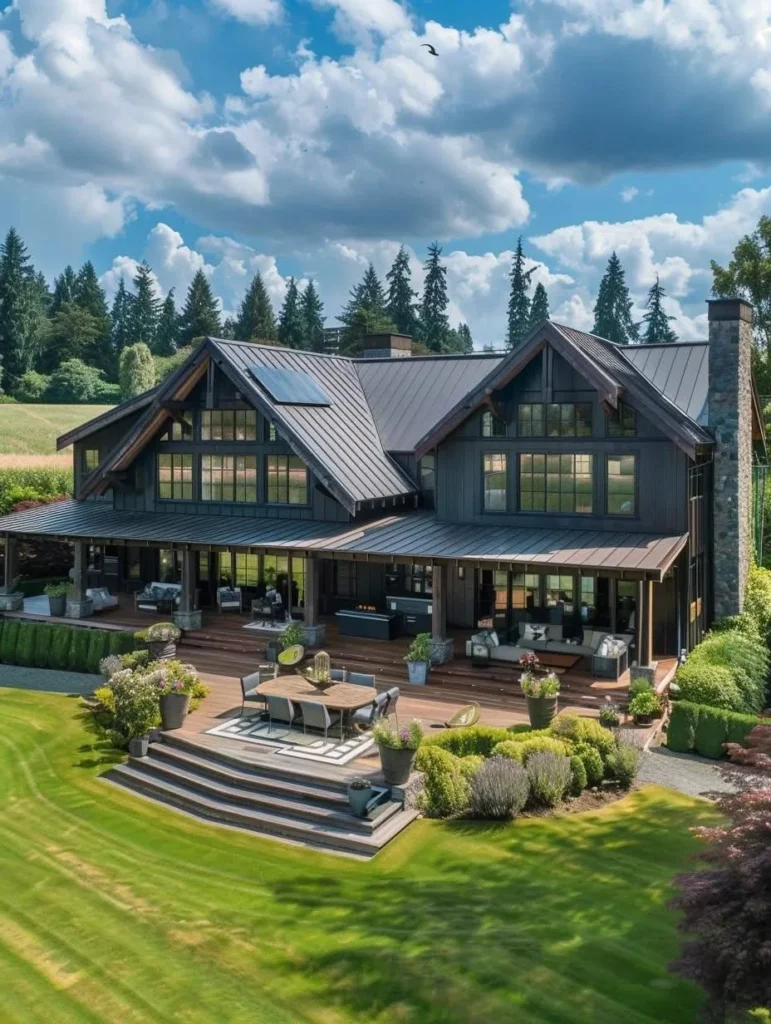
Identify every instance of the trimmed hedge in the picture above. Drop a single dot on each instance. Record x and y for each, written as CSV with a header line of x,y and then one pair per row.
x,y
475,739
78,650
98,647
43,639
710,685
65,648
25,644
121,642
704,730
59,653
8,642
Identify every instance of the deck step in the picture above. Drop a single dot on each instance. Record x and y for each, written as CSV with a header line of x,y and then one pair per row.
x,y
278,823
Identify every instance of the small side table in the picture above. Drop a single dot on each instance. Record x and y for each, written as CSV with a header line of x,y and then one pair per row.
x,y
480,655
610,666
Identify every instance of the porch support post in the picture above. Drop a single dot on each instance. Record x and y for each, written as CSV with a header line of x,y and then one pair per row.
x,y
613,601
646,666
188,616
11,600
441,647
315,631
78,605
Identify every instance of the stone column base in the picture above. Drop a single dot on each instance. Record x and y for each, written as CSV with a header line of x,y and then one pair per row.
x,y
644,672
79,609
189,621
442,651
314,636
12,602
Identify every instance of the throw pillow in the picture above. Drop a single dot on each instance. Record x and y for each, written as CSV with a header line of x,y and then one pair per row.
x,y
536,631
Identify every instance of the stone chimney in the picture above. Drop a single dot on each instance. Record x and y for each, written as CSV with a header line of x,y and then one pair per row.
x,y
385,346
730,420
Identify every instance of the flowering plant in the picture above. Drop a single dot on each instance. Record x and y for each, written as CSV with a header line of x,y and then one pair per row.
x,y
609,714
136,703
529,661
159,632
407,738
171,677
539,686
110,665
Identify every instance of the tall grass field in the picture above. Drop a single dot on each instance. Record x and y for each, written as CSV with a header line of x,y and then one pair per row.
x,y
31,431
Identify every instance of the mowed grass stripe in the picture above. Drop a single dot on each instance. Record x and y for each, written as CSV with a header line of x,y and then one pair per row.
x,y
546,920
29,428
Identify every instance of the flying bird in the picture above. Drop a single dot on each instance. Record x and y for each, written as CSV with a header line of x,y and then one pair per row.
x,y
430,49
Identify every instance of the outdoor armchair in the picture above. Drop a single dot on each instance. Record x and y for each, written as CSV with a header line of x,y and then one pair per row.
x,y
317,716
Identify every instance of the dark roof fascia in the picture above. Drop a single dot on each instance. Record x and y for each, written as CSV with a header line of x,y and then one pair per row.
x,y
104,419
546,333
272,412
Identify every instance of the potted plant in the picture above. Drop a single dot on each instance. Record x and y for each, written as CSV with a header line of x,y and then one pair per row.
x,y
398,749
174,683
610,717
418,659
645,706
161,638
136,708
57,597
359,795
291,641
540,692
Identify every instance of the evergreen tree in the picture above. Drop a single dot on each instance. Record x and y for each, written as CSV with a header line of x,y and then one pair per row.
x,y
65,287
121,319
167,333
137,370
229,328
290,321
467,342
311,313
656,320
73,334
146,307
434,323
539,308
19,321
613,311
400,303
201,315
89,295
519,302
365,312
256,320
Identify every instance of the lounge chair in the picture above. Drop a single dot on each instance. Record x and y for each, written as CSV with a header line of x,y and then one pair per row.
x,y
361,678
101,599
250,683
282,710
291,656
229,599
317,716
468,715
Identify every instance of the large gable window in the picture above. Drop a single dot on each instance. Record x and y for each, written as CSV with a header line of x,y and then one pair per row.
x,y
492,425
229,478
175,477
179,430
622,475
229,425
625,424
555,419
556,483
287,480
495,473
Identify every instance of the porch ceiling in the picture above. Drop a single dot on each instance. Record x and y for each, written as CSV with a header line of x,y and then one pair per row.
x,y
416,536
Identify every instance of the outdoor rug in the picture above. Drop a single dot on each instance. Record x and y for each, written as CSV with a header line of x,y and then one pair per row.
x,y
293,742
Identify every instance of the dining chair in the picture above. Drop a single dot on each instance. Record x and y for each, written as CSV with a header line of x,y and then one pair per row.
x,y
361,678
382,706
282,709
317,716
339,675
250,683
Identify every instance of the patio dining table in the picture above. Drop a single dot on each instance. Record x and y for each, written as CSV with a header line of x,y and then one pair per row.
x,y
343,697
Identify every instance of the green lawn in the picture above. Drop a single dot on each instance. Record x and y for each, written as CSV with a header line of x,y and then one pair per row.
x,y
114,909
33,429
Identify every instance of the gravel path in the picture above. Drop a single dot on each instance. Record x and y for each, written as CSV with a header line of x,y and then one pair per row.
x,y
697,776
47,679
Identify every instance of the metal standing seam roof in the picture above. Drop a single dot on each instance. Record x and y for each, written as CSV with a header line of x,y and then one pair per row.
x,y
409,396
341,436
680,371
416,535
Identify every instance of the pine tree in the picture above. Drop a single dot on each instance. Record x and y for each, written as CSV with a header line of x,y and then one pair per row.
x,y
434,323
255,320
89,295
613,311
18,319
65,287
146,307
167,333
539,308
201,315
400,303
121,320
290,322
657,322
465,336
519,302
229,328
137,370
311,313
365,312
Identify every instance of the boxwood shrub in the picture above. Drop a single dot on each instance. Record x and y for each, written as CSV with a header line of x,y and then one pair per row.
x,y
475,739
579,780
711,685
681,733
711,731
746,658
592,761
446,783
8,641
704,729
522,750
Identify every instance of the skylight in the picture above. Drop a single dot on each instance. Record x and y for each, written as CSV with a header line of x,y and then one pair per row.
x,y
289,387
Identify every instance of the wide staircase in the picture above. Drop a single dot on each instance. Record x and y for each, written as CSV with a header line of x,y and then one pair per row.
x,y
303,805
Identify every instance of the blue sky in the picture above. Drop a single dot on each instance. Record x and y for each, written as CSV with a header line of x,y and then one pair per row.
x,y
307,137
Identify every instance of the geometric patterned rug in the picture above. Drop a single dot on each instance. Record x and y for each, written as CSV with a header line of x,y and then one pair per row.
x,y
292,742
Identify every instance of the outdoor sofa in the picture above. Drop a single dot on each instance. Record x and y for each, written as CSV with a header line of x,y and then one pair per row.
x,y
538,637
156,597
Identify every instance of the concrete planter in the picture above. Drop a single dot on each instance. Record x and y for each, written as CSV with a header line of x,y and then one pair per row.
x,y
358,800
417,672
57,606
174,708
396,764
541,711
138,746
162,650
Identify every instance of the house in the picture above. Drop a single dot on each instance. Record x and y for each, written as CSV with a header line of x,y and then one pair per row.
x,y
570,482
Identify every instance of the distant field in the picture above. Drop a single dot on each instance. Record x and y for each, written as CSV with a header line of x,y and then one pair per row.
x,y
27,431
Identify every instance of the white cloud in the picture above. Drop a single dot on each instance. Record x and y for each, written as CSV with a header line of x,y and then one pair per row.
x,y
354,17
628,194
253,12
7,56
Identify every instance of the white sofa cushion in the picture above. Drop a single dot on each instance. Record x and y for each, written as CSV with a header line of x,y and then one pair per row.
x,y
535,631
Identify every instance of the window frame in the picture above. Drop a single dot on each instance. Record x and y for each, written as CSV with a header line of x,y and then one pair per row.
x,y
274,493
541,416
86,453
174,432
176,461
616,427
488,423
545,473
242,491
622,455
248,426
486,473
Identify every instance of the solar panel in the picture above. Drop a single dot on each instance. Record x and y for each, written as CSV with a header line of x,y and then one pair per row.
x,y
289,387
